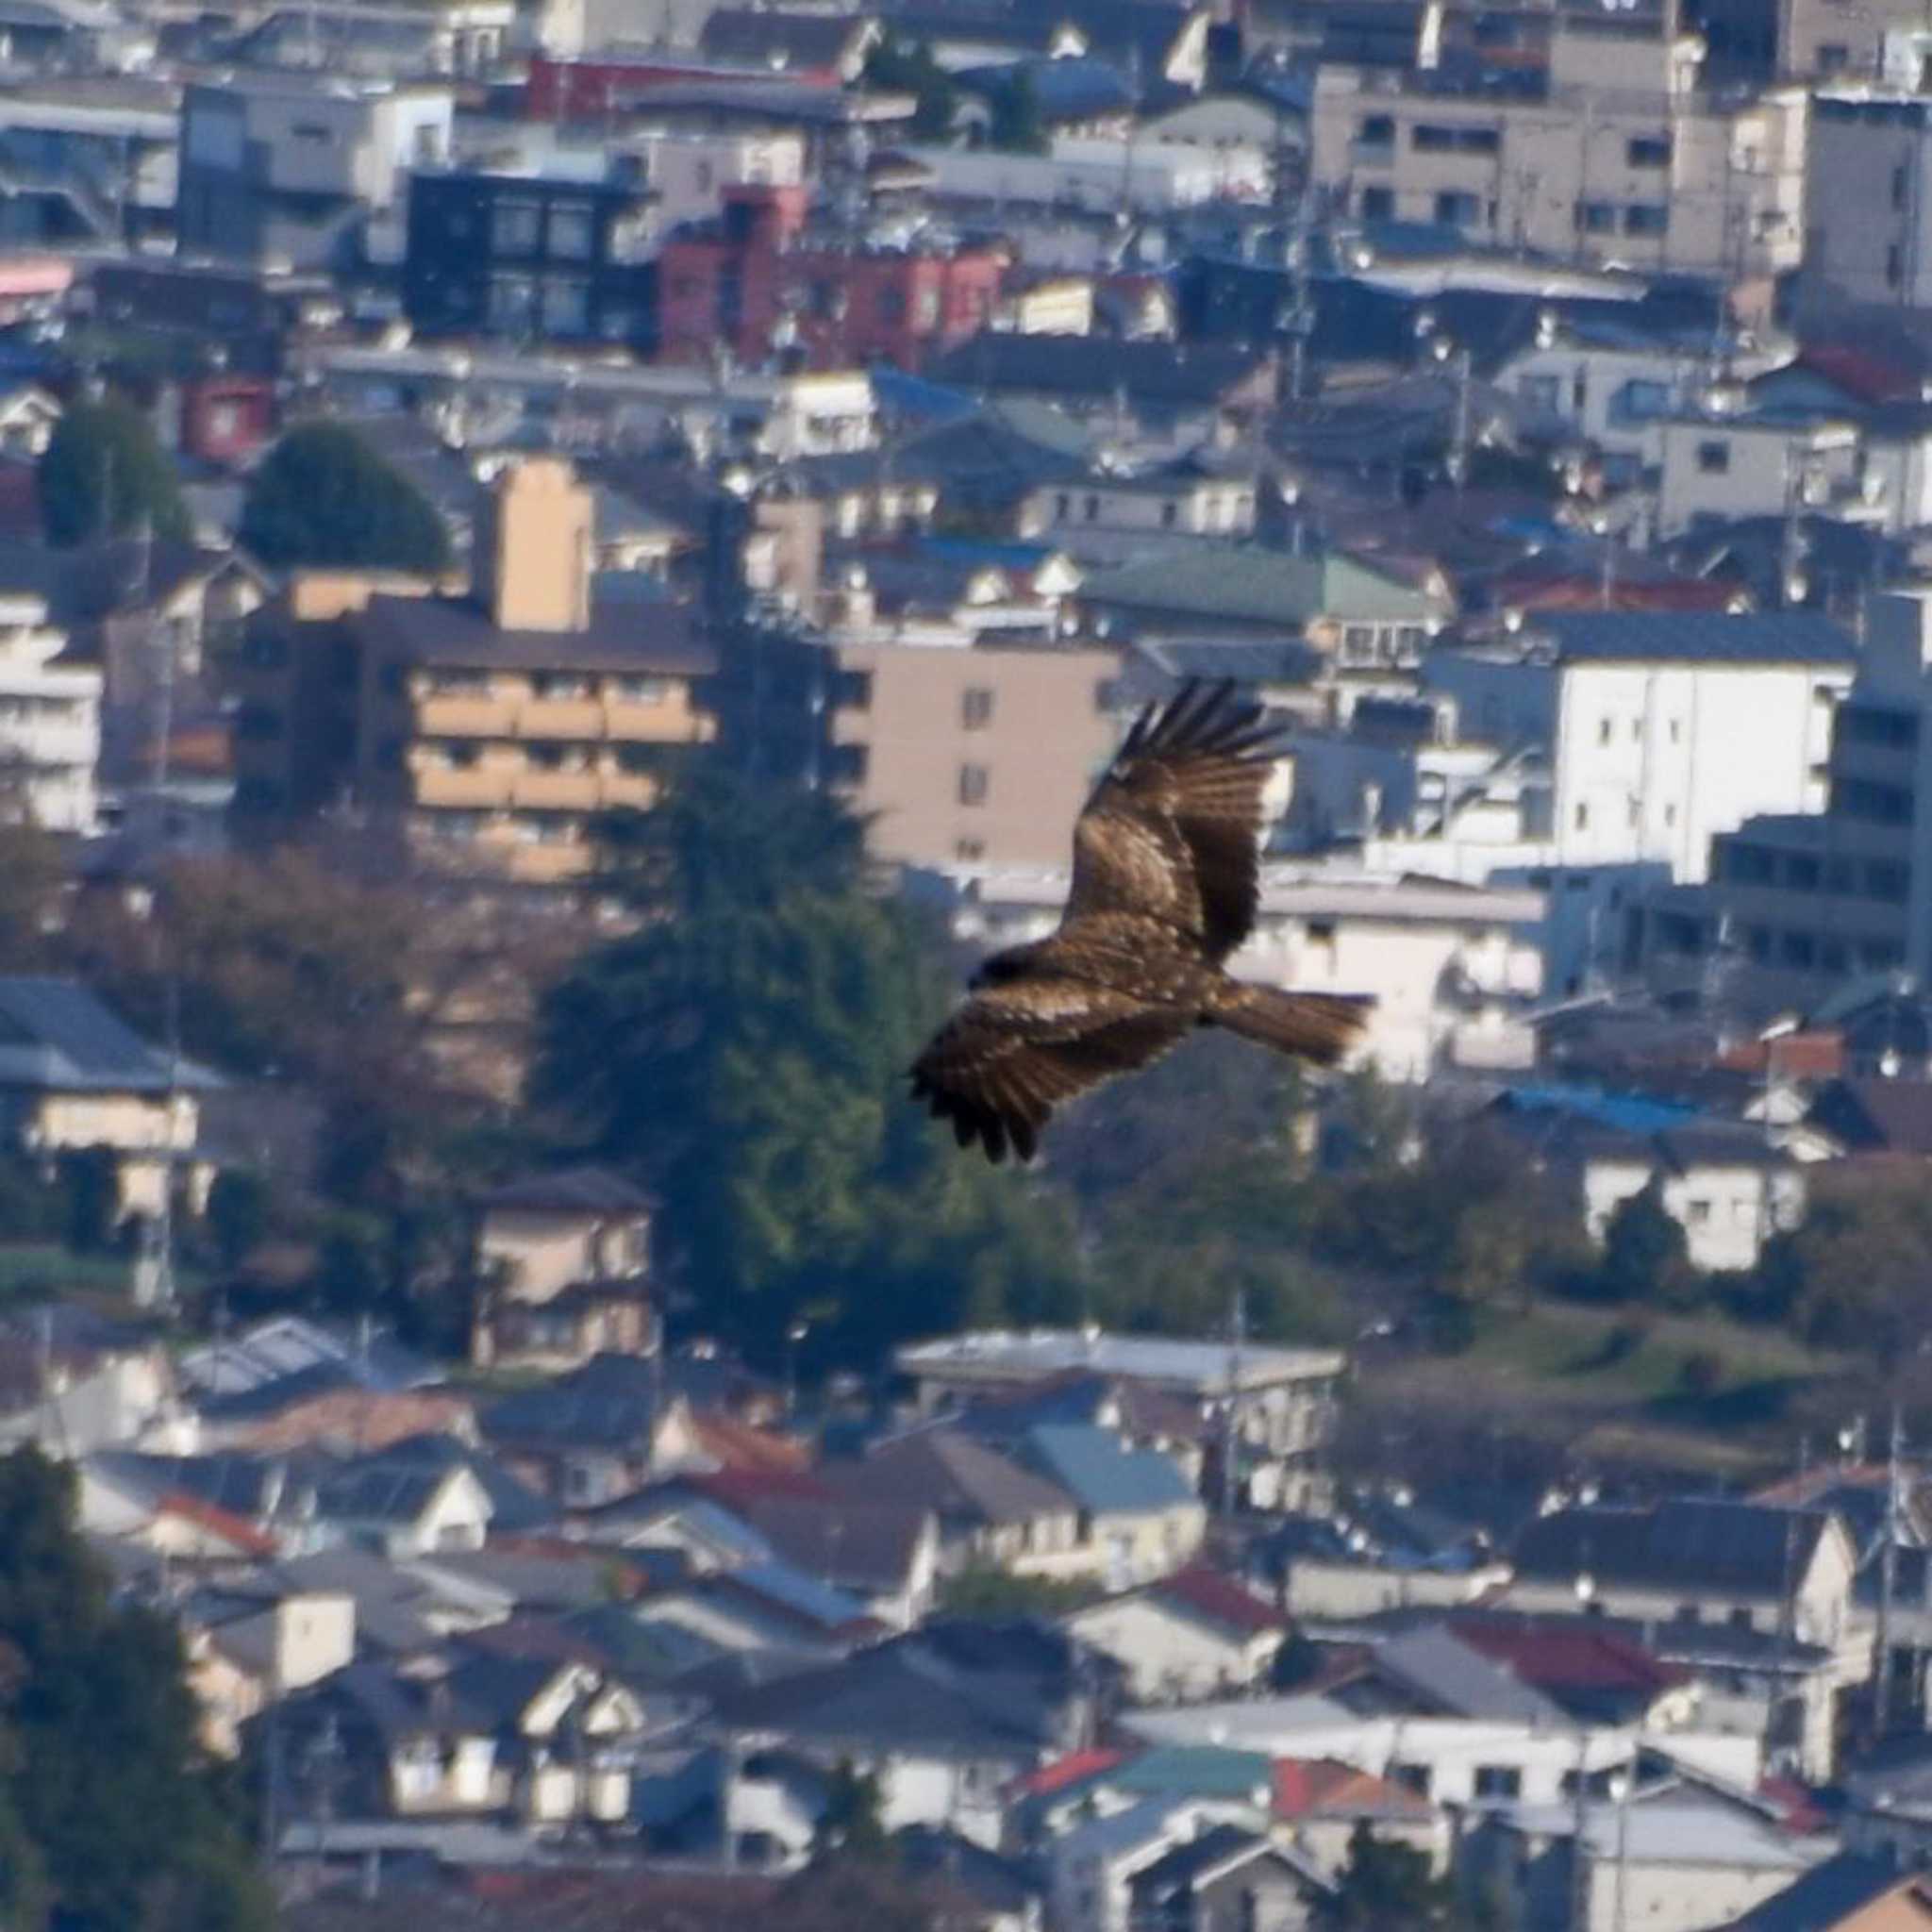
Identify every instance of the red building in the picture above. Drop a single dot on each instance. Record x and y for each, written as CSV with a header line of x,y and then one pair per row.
x,y
841,299
226,419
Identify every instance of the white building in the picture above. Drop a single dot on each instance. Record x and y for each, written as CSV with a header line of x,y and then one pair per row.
x,y
1729,1189
1717,463
50,723
1661,730
1098,175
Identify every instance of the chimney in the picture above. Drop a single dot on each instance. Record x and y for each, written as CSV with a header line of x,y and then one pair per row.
x,y
533,548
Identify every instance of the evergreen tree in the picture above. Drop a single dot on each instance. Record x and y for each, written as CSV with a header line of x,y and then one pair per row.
x,y
1018,124
103,474
1645,1255
109,1810
326,499
747,1049
901,69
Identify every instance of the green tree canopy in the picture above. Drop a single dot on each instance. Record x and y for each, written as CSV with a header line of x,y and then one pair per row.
x,y
910,68
325,499
1017,123
747,1050
108,1809
104,475
1644,1254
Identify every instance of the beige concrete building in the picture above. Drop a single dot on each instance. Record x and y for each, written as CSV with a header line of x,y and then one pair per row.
x,y
1612,156
495,728
973,754
563,1259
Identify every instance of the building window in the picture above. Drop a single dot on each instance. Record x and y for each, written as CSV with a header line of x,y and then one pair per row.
x,y
973,784
1894,265
969,851
514,227
1596,217
1898,187
1170,515
976,707
1376,130
566,307
1410,1777
1583,818
1834,57
849,763
570,233
1062,507
1378,203
1604,727
1648,151
1455,209
852,691
1498,1781
926,310
1714,459
891,304
1427,139
1647,218
1093,509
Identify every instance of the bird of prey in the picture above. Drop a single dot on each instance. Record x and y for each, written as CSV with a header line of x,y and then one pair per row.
x,y
1166,879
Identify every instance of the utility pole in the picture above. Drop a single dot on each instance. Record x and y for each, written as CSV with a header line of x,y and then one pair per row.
x,y
1888,1577
1231,1456
153,1279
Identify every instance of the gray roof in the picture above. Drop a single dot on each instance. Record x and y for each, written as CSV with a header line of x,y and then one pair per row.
x,y
379,1493
1825,1896
1463,1682
955,1477
1688,1543
1105,1477
1032,1354
1794,636
1197,374
623,635
572,1191
57,1037
777,41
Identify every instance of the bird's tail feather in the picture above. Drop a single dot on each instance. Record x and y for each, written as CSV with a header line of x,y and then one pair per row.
x,y
1315,1026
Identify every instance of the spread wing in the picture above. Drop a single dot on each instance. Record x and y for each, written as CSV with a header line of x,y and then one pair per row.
x,y
1172,830
1014,1052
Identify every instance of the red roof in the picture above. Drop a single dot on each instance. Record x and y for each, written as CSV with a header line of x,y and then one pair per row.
x,y
1557,1658
1221,1600
225,1522
1307,1785
740,1447
1862,375
1074,1768
1797,1055
733,1488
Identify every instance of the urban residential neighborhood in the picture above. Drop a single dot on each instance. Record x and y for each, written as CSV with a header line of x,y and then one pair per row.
x,y
606,603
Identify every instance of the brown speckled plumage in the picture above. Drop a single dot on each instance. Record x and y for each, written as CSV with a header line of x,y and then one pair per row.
x,y
1166,880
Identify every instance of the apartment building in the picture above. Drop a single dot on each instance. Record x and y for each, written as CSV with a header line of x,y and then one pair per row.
x,y
765,276
1818,894
528,255
488,726
50,721
971,754
1661,730
492,728
299,169
1869,175
1609,154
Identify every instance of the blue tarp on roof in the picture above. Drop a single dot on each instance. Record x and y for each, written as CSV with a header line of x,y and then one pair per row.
x,y
913,396
1628,1113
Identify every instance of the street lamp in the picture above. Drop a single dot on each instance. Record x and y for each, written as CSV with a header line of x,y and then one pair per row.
x,y
794,1336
